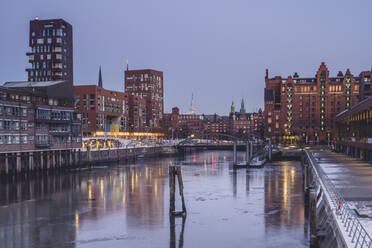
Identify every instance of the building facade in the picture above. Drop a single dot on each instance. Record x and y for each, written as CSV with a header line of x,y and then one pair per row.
x,y
176,125
31,119
354,130
304,108
365,85
216,124
242,124
51,55
149,85
109,111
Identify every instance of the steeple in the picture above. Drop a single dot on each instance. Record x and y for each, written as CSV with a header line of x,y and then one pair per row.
x,y
192,106
100,78
242,109
232,110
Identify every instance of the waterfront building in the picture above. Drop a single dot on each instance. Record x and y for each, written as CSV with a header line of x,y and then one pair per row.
x,y
149,85
216,124
176,125
304,108
365,84
51,55
354,130
245,124
37,115
107,112
240,123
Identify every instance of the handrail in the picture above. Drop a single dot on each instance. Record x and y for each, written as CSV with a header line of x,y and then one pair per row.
x,y
351,223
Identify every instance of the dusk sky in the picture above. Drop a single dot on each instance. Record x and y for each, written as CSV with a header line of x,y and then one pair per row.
x,y
218,49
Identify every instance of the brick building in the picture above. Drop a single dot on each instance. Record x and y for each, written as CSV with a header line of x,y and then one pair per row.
x,y
147,84
365,84
246,124
304,108
216,124
176,125
32,118
109,111
51,55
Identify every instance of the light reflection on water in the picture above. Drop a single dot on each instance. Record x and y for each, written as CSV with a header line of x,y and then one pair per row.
x,y
127,205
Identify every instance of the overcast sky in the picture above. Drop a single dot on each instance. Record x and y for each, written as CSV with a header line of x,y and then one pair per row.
x,y
218,49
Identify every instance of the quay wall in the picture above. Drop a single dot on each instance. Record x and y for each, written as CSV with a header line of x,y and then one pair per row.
x,y
24,162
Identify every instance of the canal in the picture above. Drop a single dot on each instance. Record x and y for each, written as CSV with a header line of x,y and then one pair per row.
x,y
127,206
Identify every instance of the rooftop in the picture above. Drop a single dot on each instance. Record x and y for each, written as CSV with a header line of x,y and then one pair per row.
x,y
23,84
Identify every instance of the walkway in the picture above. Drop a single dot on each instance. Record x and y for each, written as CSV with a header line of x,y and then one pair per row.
x,y
352,178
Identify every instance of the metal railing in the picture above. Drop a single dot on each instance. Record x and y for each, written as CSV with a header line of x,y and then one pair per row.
x,y
355,230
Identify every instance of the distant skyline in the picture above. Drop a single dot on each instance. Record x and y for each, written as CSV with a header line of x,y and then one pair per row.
x,y
217,49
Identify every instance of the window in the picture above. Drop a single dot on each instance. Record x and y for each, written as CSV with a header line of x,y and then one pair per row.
x,y
49,56
8,139
59,40
16,139
24,139
40,41
41,57
49,40
58,56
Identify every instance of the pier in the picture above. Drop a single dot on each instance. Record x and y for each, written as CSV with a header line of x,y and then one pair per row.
x,y
338,187
22,162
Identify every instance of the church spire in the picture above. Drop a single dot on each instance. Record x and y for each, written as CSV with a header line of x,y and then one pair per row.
x,y
232,110
100,78
242,109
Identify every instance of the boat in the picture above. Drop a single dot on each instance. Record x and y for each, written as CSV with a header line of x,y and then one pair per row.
x,y
257,162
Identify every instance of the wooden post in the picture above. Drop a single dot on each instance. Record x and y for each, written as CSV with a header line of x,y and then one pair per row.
x,y
6,164
234,153
60,158
30,161
251,149
48,160
41,160
18,162
171,189
247,153
180,185
173,172
70,157
53,159
270,149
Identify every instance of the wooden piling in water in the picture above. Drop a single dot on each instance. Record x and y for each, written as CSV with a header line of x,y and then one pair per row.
x,y
175,171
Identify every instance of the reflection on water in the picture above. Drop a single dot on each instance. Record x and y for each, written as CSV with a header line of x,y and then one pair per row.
x,y
128,206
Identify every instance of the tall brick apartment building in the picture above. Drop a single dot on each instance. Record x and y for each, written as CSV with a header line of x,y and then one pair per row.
x,y
51,55
305,107
147,84
109,111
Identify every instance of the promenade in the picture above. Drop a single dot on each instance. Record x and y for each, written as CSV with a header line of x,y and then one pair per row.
x,y
351,177
347,183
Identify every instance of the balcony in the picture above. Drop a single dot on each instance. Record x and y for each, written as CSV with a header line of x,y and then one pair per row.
x,y
42,145
39,120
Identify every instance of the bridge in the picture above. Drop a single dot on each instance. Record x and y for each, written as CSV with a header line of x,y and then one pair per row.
x,y
218,141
